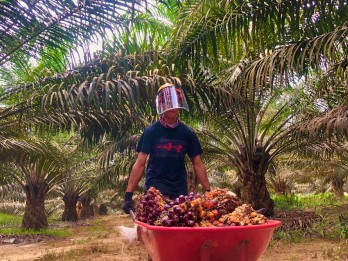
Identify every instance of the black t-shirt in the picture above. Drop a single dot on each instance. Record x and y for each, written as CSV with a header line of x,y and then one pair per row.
x,y
167,149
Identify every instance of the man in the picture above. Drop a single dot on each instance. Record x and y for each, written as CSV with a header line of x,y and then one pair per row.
x,y
167,141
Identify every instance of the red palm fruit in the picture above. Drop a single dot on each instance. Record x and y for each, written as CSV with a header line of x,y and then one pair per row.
x,y
210,215
202,214
216,213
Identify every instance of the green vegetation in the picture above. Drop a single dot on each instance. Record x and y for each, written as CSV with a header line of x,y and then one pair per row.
x,y
283,202
57,232
10,225
328,219
7,220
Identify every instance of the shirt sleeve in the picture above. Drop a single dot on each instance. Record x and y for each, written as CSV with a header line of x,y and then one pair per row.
x,y
194,147
145,141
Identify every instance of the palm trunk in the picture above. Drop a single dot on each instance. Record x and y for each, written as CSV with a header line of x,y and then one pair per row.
x,y
35,214
337,186
70,200
87,210
252,175
254,191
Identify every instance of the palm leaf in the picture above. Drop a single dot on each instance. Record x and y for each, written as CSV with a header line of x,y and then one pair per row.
x,y
332,124
243,27
27,28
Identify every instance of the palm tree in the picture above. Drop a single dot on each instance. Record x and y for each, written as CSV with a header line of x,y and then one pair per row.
x,y
249,76
328,164
36,173
250,137
70,194
246,44
254,44
252,47
36,189
94,113
75,183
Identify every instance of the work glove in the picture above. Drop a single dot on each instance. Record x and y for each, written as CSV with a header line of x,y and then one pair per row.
x,y
128,203
261,211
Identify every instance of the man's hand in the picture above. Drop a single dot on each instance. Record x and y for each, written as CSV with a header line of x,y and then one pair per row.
x,y
128,206
128,203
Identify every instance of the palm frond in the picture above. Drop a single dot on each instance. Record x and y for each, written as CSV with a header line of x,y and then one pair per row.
x,y
12,147
28,28
125,146
330,125
214,29
295,59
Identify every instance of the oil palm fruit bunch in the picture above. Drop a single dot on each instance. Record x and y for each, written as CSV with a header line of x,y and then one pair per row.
x,y
218,207
179,213
222,200
149,206
243,215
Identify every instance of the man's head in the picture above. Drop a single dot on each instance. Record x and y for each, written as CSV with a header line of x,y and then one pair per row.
x,y
170,97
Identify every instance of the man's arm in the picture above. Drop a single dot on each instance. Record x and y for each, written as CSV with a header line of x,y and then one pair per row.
x,y
137,172
201,172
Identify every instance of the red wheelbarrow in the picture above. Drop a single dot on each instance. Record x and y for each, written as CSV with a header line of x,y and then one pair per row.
x,y
235,243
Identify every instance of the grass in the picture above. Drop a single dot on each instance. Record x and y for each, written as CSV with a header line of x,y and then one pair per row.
x,y
57,232
9,220
330,223
10,225
283,202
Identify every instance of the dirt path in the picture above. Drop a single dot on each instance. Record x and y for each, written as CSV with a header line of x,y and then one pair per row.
x,y
103,242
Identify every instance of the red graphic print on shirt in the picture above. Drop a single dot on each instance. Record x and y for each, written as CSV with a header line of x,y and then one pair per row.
x,y
169,146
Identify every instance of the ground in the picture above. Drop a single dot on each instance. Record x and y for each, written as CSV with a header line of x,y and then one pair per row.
x,y
102,242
